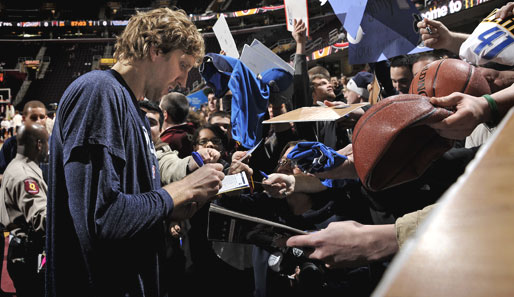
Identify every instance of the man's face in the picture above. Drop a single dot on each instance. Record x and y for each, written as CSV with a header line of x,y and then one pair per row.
x,y
276,109
35,115
169,71
334,82
343,81
418,65
153,119
285,166
212,102
222,122
322,90
401,78
352,97
207,139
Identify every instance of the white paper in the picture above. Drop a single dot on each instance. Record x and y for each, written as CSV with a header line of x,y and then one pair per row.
x,y
249,152
234,182
255,61
296,9
270,55
225,38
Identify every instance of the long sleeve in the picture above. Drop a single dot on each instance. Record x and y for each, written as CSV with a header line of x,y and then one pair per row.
x,y
99,207
171,167
301,96
407,225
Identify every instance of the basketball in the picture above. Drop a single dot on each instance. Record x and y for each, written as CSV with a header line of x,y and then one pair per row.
x,y
393,142
443,77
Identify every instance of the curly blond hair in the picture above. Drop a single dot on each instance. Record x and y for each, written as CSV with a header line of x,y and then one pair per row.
x,y
163,28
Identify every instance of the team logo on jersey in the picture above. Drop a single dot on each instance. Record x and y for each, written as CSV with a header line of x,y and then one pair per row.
x,y
149,142
31,186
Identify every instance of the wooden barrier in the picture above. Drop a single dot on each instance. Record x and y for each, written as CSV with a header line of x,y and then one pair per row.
x,y
466,245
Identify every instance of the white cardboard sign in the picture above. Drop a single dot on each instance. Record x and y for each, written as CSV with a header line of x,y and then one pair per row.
x,y
225,38
296,9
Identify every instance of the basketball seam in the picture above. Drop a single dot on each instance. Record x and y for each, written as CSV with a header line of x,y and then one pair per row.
x,y
435,78
470,73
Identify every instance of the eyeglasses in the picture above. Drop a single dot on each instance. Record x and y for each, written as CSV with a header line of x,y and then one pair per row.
x,y
285,162
204,141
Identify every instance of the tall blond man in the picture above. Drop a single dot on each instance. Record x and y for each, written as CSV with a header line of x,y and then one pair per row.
x,y
106,208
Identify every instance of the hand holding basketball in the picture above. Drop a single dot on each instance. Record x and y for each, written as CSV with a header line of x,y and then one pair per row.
x,y
469,112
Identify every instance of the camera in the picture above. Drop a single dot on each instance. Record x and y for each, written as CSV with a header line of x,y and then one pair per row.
x,y
293,261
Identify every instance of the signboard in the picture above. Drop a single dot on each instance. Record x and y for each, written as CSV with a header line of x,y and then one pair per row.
x,y
225,39
441,9
196,99
314,114
296,10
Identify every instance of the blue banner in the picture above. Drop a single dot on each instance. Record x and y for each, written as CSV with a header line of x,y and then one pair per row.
x,y
350,21
196,99
387,29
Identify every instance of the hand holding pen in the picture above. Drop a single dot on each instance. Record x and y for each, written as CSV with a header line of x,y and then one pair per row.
x,y
278,185
203,156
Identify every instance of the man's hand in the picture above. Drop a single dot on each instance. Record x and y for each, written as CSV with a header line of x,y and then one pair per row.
x,y
239,166
209,155
300,31
349,244
498,80
300,35
436,35
505,11
279,185
339,104
343,171
469,112
194,190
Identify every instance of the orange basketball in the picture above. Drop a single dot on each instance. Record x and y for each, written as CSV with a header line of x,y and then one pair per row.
x,y
443,77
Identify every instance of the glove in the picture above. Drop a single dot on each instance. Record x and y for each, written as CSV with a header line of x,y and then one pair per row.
x,y
315,157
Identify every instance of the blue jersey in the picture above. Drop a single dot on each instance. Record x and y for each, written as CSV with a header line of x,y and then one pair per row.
x,y
106,209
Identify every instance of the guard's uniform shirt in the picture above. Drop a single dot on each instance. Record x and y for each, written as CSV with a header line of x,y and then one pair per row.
x,y
23,211
23,193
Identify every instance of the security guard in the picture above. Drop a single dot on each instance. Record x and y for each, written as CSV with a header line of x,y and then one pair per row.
x,y
23,210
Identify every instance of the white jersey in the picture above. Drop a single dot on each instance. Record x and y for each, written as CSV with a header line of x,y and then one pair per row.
x,y
491,41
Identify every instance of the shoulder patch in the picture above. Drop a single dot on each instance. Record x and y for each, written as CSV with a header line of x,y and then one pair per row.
x,y
31,186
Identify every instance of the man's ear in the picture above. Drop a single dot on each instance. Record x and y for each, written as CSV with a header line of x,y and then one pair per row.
x,y
154,52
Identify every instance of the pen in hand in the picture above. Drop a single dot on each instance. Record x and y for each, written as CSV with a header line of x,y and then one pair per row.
x,y
263,174
198,159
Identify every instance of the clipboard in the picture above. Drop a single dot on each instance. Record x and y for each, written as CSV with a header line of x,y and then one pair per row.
x,y
314,114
